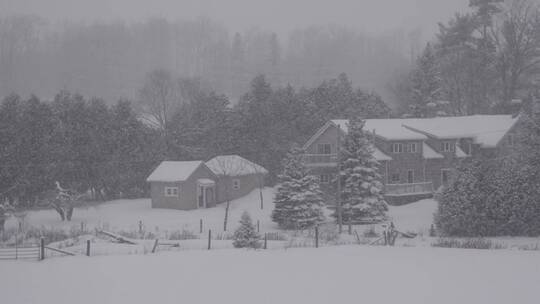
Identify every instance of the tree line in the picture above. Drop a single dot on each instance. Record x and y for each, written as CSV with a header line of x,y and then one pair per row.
x,y
480,62
108,151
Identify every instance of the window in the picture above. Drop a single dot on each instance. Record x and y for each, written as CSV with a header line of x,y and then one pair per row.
x,y
236,184
410,176
412,148
325,149
397,148
171,191
447,146
324,178
445,176
396,178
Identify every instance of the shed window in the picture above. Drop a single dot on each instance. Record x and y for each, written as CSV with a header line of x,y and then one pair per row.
x,y
396,178
236,184
511,140
171,191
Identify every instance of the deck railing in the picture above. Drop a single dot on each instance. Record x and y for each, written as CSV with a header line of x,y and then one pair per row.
x,y
403,189
320,159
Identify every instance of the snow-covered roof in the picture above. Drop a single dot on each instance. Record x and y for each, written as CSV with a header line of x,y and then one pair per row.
x,y
460,153
485,130
234,165
389,129
174,171
380,155
429,153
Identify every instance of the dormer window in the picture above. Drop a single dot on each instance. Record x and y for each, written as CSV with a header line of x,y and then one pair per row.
x,y
447,146
396,148
411,148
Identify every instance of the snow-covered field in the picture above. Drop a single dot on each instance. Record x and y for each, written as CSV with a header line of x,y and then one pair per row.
x,y
124,215
347,274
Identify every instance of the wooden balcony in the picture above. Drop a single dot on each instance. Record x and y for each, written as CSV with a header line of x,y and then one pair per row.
x,y
409,189
321,160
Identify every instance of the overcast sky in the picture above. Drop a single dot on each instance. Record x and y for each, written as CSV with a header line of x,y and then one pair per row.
x,y
278,15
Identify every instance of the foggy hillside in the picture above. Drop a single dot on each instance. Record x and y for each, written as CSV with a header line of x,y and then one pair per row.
x,y
104,48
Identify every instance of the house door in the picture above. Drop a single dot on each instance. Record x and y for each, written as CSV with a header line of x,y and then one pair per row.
x,y
209,196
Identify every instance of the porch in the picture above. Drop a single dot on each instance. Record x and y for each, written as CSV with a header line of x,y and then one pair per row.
x,y
321,160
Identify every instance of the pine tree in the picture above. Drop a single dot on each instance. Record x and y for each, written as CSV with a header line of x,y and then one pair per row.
x,y
361,195
298,201
246,236
425,81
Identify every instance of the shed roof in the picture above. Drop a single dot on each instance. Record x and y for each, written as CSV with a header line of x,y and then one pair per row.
x,y
174,171
234,165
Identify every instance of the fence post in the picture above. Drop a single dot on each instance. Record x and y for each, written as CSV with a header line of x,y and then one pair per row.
x,y
209,238
155,246
87,247
350,228
140,227
265,240
16,246
200,224
258,226
42,249
82,227
316,236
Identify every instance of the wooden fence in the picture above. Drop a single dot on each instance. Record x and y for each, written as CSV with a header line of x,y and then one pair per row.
x,y
20,253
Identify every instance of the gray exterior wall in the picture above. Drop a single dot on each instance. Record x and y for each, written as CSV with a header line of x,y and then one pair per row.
x,y
187,191
248,183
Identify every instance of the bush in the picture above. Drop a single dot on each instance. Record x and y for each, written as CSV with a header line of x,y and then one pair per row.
x,y
246,236
371,233
486,200
182,235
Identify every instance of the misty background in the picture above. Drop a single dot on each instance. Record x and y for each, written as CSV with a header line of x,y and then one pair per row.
x,y
105,48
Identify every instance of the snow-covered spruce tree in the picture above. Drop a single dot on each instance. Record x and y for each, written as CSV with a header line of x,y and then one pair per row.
x,y
361,193
246,236
298,201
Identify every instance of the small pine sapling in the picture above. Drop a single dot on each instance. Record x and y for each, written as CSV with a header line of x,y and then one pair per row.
x,y
246,235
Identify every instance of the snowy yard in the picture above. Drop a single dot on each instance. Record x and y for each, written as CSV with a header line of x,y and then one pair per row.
x,y
124,215
349,274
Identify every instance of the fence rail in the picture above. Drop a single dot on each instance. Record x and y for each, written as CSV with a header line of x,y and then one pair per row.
x,y
20,253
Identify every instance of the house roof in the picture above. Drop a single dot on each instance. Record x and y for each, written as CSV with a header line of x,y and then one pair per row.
x,y
389,129
380,155
485,130
430,153
234,165
174,171
460,153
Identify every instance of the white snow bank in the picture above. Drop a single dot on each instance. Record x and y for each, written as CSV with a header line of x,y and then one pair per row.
x,y
326,275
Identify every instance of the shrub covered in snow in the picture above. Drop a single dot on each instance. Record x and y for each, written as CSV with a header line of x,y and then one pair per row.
x,y
488,198
246,236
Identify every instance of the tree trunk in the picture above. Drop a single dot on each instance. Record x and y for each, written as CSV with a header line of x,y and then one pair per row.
x,y
226,216
69,213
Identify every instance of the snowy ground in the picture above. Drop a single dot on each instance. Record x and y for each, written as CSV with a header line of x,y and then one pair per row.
x,y
348,274
124,215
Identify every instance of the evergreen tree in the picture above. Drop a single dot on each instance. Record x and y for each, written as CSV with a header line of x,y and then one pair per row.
x,y
425,82
246,236
361,193
298,201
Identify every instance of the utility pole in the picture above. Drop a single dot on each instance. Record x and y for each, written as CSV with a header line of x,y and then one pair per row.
x,y
338,198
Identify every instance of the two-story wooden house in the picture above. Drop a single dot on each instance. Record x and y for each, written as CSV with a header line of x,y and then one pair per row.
x,y
417,156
